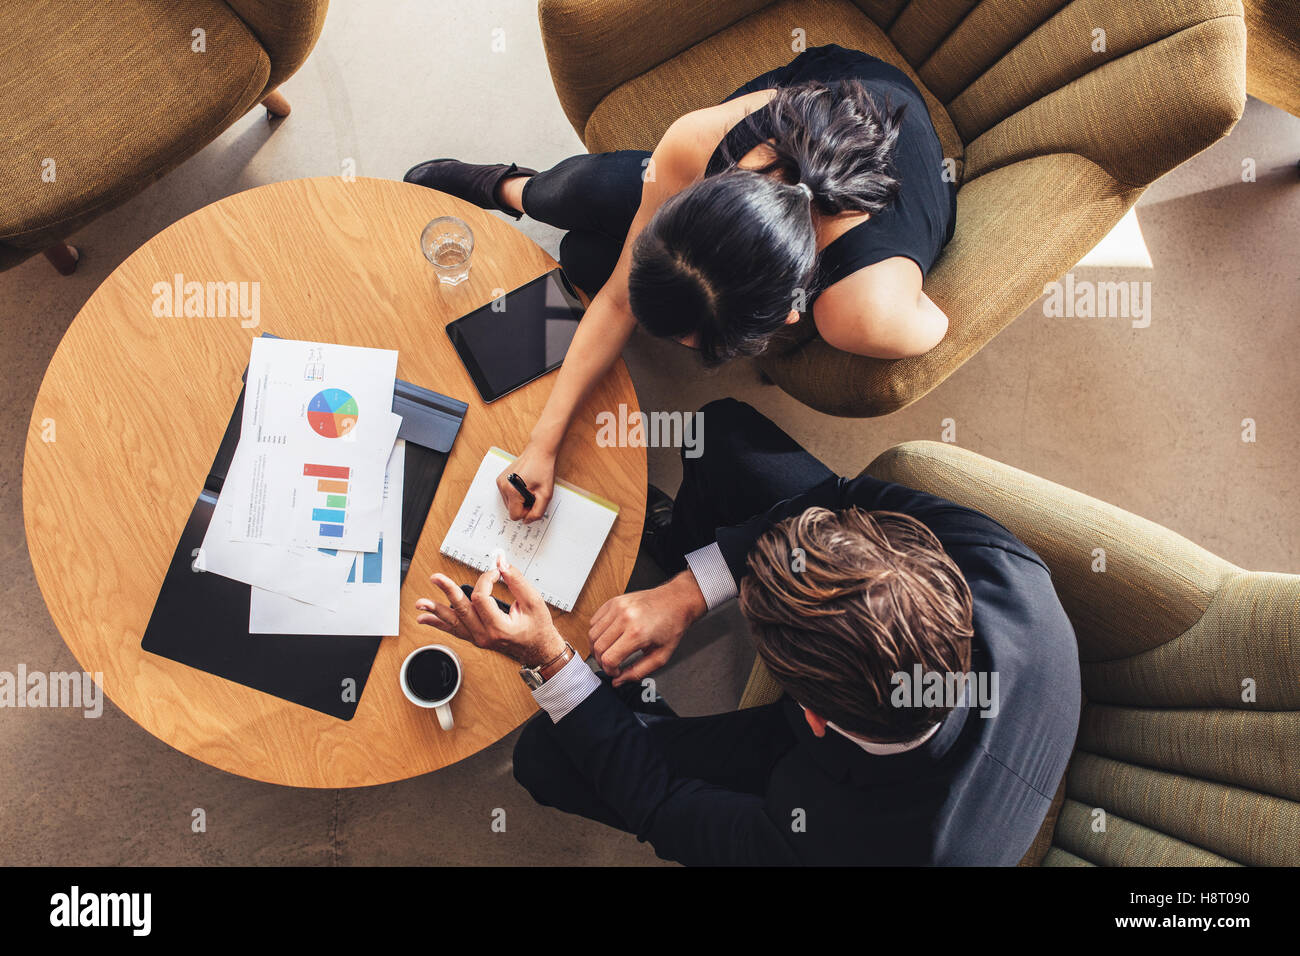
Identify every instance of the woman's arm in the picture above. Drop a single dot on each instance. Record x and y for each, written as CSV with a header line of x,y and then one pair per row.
x,y
600,338
880,311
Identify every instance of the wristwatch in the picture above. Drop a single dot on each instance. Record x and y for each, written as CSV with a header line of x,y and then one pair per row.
x,y
535,677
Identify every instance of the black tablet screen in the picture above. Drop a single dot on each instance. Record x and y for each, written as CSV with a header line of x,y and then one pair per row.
x,y
518,337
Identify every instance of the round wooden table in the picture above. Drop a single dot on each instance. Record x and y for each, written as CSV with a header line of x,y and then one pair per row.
x,y
132,409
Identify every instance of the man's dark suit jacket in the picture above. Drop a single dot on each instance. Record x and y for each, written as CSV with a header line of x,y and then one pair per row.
x,y
975,793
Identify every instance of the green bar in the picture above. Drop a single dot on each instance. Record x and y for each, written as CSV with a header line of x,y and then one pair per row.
x,y
336,501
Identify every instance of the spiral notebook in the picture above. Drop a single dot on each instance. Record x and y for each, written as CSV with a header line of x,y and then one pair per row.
x,y
555,552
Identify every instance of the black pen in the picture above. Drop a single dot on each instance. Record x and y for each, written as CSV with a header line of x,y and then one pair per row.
x,y
517,483
469,593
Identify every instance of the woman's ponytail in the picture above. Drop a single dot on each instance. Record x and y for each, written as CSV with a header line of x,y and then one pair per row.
x,y
839,143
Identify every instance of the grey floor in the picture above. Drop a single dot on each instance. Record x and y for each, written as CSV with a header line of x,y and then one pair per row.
x,y
1148,419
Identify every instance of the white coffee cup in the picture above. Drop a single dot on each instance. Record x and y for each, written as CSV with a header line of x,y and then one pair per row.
x,y
442,707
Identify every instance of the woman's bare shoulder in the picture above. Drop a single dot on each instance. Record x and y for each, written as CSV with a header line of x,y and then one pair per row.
x,y
691,139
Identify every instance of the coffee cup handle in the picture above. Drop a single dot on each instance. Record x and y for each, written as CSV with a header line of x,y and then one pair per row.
x,y
444,716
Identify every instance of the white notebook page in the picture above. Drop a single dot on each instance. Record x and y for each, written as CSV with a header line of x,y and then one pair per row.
x,y
555,553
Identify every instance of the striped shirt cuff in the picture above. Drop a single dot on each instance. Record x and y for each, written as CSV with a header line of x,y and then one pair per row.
x,y
568,687
712,575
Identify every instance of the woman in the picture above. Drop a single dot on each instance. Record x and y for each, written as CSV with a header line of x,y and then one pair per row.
x,y
817,186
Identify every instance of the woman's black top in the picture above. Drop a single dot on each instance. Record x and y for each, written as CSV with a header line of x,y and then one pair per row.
x,y
920,220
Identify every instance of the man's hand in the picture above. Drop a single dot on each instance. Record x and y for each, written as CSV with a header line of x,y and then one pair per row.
x,y
651,621
525,635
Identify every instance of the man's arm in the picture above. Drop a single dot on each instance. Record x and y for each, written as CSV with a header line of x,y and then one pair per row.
x,y
684,819
654,621
870,494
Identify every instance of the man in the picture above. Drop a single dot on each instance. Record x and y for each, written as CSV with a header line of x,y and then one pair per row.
x,y
859,592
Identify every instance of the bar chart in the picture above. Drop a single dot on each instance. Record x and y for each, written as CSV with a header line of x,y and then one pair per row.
x,y
330,507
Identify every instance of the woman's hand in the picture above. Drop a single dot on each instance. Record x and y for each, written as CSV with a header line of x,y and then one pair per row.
x,y
536,466
525,635
601,335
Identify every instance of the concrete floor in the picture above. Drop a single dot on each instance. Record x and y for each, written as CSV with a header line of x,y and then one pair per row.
x,y
1148,419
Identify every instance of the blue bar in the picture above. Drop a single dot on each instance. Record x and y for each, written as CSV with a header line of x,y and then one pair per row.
x,y
352,573
328,514
331,530
372,565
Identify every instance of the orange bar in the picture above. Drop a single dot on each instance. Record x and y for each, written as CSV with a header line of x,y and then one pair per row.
x,y
336,486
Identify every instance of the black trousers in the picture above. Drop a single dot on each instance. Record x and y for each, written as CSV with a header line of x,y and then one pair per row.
x,y
595,197
748,465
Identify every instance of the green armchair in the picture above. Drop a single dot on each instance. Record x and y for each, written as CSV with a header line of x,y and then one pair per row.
x,y
1054,129
1188,750
101,99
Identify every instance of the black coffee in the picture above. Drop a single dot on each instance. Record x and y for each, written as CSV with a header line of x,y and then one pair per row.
x,y
431,675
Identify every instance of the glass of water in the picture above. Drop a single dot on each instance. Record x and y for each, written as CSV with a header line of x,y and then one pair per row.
x,y
448,243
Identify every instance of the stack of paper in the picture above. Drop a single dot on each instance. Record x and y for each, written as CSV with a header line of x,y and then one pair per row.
x,y
310,512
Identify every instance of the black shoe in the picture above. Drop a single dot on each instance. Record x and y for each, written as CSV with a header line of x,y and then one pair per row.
x,y
654,534
476,184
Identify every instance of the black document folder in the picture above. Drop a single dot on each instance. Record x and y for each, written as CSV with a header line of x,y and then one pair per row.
x,y
201,619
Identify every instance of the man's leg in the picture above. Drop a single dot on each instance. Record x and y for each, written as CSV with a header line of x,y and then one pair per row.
x,y
747,466
735,751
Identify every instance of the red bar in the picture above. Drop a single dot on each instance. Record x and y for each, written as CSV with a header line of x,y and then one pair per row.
x,y
325,471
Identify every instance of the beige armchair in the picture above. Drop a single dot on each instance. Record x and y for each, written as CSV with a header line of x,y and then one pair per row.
x,y
1055,129
101,99
1273,53
1188,751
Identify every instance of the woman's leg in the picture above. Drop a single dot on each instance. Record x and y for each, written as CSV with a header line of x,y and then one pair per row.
x,y
589,259
594,196
595,192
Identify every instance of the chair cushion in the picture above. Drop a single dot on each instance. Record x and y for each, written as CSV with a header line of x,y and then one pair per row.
x,y
1273,52
115,96
1043,841
1018,227
635,115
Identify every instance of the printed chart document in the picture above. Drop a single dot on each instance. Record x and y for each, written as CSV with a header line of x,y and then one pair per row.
x,y
317,430
299,573
555,553
368,600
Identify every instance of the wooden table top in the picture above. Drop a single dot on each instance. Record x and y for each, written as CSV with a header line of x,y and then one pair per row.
x,y
133,407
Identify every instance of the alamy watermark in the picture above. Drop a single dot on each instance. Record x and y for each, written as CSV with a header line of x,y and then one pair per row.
x,y
946,689
627,429
208,300
1085,299
76,908
75,689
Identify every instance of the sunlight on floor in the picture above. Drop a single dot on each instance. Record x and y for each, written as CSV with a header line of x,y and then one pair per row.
x,y
1122,246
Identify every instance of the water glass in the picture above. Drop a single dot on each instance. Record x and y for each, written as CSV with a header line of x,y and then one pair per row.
x,y
448,243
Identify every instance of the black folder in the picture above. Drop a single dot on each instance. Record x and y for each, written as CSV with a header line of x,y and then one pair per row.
x,y
201,619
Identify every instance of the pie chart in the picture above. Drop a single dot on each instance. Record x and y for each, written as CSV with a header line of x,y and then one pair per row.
x,y
332,413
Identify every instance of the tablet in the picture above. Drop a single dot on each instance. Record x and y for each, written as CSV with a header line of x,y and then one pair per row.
x,y
519,337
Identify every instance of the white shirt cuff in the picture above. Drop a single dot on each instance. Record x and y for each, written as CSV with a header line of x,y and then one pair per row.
x,y
568,687
712,575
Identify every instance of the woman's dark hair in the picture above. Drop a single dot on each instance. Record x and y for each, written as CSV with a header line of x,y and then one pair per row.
x,y
838,141
727,258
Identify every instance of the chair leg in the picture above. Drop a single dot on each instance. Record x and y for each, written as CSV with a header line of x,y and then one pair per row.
x,y
276,105
63,257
